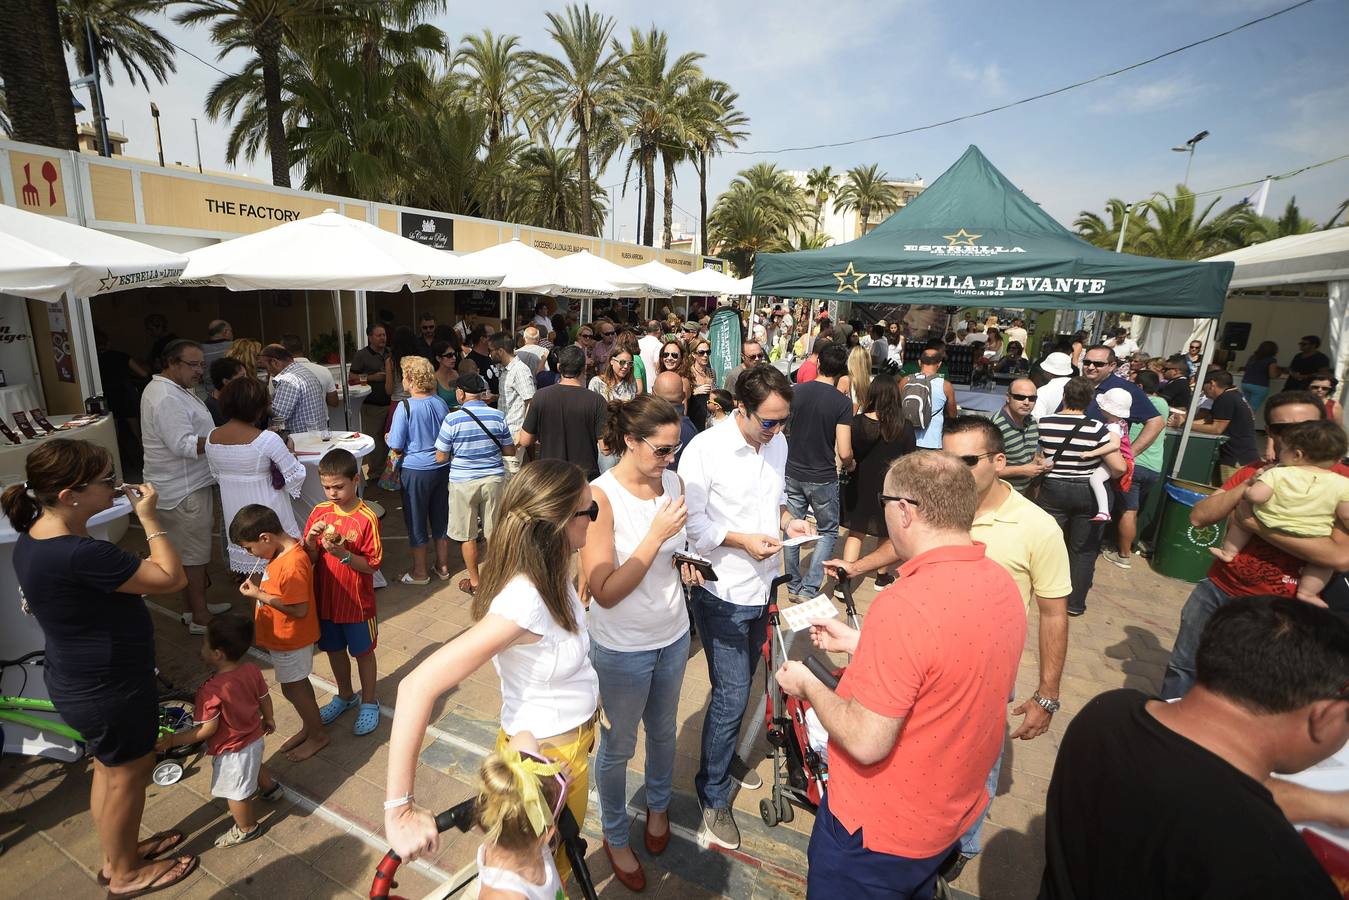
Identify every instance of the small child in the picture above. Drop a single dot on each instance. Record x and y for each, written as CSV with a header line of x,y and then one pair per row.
x,y
1300,496
231,714
286,620
342,540
719,405
1114,405
520,794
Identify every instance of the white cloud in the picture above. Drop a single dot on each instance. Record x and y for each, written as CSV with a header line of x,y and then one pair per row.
x,y
987,76
1152,96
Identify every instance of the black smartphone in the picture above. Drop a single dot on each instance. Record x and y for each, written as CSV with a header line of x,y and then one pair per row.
x,y
703,567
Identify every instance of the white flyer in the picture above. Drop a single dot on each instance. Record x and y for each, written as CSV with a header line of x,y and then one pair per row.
x,y
798,541
798,617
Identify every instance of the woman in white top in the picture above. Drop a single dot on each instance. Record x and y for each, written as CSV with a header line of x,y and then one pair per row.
x,y
530,625
639,626
243,458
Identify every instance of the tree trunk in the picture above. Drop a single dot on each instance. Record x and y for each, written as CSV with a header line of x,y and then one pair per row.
x,y
269,50
37,87
863,213
583,166
668,223
62,103
649,168
702,203
637,235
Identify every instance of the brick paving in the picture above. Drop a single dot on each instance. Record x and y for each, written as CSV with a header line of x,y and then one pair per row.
x,y
323,839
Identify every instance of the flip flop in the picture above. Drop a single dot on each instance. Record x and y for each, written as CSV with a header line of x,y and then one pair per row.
x,y
367,720
408,579
335,707
184,866
166,841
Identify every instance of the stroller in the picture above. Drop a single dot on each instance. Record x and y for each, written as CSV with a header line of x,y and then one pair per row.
x,y
461,817
800,774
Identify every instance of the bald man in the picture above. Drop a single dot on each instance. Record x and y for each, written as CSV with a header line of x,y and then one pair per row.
x,y
1020,434
669,386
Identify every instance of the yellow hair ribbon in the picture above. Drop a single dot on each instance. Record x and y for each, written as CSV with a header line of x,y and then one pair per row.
x,y
527,772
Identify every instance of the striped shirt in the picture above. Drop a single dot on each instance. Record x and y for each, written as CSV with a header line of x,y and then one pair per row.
x,y
473,452
1067,455
1019,443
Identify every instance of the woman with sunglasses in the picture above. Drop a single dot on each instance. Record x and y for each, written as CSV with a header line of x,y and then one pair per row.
x,y
638,624
702,379
531,627
1323,386
616,382
447,372
86,595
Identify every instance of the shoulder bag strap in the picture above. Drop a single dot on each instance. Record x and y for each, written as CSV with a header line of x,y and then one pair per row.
x,y
496,440
1072,433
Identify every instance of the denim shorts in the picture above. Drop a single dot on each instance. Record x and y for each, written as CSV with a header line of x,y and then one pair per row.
x,y
426,499
1137,494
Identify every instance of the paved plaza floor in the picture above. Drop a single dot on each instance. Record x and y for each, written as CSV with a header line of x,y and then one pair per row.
x,y
324,838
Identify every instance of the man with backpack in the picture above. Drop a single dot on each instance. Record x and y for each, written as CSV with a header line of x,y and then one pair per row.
x,y
927,397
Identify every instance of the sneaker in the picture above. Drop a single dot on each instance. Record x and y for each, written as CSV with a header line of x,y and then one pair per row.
x,y
275,793
217,609
885,580
236,836
747,777
1112,556
718,829
951,871
194,628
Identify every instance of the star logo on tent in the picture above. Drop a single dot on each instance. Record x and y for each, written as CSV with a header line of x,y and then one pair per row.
x,y
428,283
106,283
849,274
962,238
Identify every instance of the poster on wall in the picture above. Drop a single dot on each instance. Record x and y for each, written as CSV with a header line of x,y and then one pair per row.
x,y
62,355
436,232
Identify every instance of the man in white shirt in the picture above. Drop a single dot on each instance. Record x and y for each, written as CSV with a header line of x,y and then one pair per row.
x,y
297,395
1017,332
541,319
532,345
649,346
1124,346
517,388
174,426
734,484
325,375
1050,396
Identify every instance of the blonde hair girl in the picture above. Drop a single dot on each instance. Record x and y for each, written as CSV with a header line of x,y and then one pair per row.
x,y
246,351
529,625
859,376
520,795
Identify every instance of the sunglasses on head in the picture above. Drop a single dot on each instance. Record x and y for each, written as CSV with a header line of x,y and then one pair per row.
x,y
591,512
1024,398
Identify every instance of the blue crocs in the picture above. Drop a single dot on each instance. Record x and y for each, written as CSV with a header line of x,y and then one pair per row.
x,y
336,706
367,720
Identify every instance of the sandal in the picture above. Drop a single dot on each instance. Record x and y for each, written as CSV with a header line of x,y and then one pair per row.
x,y
367,720
236,836
336,706
274,794
466,586
183,867
164,841
408,579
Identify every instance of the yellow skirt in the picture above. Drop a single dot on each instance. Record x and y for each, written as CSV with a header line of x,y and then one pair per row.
x,y
575,755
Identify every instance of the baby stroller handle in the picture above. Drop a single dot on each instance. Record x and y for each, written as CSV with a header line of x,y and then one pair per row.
x,y
845,587
822,672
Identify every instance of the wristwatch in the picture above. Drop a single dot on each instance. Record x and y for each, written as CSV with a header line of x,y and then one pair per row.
x,y
1048,704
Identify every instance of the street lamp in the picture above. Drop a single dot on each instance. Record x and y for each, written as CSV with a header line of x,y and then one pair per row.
x,y
1188,147
159,139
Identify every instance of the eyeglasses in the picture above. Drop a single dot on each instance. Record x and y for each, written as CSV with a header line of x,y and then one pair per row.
x,y
1094,363
661,452
202,365
623,362
606,334
591,512
883,497
972,459
110,480
702,352
671,355
1024,398
769,424
753,357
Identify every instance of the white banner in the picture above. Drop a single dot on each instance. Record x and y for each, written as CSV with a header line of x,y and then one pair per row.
x,y
16,340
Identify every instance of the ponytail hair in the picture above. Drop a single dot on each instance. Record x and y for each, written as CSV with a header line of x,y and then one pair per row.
x,y
502,809
56,465
636,418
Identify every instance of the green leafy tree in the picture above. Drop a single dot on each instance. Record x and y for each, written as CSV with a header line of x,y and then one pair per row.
x,y
119,35
1096,231
821,184
1176,228
759,211
867,190
1256,229
495,79
713,123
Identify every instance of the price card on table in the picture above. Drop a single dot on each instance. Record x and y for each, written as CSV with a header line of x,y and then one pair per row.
x,y
798,617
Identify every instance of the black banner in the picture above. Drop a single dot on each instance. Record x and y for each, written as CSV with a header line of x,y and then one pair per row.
x,y
433,231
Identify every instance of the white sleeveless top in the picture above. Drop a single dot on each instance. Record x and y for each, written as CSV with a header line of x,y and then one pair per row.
x,y
506,880
653,615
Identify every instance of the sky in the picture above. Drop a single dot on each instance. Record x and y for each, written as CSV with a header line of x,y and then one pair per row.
x,y
1274,97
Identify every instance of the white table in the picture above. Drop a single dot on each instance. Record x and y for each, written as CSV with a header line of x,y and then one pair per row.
x,y
17,398
20,634
14,456
356,395
309,449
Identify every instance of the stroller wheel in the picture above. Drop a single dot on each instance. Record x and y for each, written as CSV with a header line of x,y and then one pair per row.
x,y
785,811
166,773
768,812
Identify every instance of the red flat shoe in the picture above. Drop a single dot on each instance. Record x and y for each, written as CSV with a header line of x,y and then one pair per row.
x,y
634,881
655,844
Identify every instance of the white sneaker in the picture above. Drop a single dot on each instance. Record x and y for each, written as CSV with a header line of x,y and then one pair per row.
x,y
1112,556
194,628
216,609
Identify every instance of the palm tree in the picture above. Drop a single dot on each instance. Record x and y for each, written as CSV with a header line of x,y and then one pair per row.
x,y
579,85
866,189
759,211
262,28
496,78
118,34
713,123
1259,228
820,185
1094,230
1335,216
38,101
813,241
1179,230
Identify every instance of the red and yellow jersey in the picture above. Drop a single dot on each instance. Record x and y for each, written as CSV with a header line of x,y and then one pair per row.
x,y
345,595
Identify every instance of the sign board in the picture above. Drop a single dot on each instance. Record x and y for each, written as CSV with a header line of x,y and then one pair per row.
x,y
182,202
433,231
37,183
477,303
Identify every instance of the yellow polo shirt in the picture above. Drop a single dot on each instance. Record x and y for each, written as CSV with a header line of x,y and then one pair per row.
x,y
1027,542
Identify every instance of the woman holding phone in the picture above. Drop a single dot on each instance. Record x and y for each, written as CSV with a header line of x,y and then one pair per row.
x,y
639,627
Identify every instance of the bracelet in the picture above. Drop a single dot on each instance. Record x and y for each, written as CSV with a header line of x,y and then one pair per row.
x,y
404,800
346,560
151,537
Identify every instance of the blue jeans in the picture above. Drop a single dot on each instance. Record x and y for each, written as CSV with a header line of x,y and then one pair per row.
x,y
1204,601
822,499
733,638
840,867
638,686
969,841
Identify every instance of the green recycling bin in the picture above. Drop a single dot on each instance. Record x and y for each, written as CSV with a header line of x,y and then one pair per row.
x,y
1182,548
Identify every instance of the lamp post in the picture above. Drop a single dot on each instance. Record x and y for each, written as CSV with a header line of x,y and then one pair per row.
x,y
197,137
1188,147
159,139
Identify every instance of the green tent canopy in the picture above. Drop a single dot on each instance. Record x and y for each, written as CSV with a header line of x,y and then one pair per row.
x,y
973,239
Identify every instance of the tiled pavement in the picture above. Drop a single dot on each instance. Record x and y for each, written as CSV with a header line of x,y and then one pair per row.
x,y
323,839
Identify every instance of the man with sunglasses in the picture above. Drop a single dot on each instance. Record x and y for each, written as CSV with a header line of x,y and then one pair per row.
x,y
1270,562
1020,435
1194,356
1309,361
606,340
426,337
735,489
1176,390
751,354
1098,367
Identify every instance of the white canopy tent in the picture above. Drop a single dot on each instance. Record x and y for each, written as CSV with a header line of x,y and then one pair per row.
x,y
709,282
535,272
44,258
627,282
660,275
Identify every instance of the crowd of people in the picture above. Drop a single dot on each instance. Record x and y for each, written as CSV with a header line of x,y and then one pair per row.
x,y
610,474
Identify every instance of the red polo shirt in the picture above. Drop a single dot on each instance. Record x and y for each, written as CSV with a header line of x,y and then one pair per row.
x,y
940,650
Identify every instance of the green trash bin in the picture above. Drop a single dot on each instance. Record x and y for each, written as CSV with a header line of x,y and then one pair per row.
x,y
1182,548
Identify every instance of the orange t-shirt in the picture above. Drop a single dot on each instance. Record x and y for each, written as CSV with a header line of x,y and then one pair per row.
x,y
289,576
940,650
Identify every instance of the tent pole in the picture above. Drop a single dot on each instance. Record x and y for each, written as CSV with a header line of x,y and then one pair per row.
x,y
341,356
309,328
515,314
1194,399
